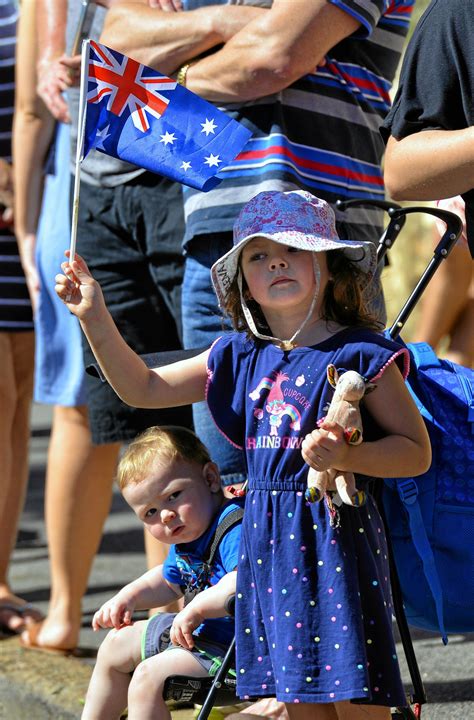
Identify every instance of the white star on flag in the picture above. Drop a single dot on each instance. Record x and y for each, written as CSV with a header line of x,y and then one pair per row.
x,y
185,165
168,138
213,160
208,127
101,137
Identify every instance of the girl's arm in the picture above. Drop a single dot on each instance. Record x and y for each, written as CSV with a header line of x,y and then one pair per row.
x,y
181,383
210,603
404,452
149,590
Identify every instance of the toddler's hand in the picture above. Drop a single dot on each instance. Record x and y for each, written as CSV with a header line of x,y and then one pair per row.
x,y
115,613
185,622
325,447
77,288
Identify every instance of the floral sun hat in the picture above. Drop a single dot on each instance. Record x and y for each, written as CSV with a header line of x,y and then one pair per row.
x,y
296,219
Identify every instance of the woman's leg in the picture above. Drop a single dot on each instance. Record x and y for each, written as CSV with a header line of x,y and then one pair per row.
x,y
78,493
16,387
445,297
118,656
145,694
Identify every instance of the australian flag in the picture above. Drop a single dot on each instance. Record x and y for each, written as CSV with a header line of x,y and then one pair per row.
x,y
136,114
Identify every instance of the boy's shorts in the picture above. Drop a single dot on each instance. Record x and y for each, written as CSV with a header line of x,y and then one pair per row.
x,y
155,639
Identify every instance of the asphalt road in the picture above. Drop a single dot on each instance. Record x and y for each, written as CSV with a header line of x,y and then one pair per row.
x,y
447,672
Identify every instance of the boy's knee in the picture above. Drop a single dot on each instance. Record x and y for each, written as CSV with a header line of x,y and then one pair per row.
x,y
147,678
115,649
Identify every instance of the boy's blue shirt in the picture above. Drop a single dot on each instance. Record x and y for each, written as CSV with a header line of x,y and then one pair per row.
x,y
185,560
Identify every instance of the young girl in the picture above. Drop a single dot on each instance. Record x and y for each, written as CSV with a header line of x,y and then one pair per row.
x,y
313,611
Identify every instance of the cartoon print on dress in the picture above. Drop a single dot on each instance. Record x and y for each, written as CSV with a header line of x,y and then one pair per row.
x,y
275,405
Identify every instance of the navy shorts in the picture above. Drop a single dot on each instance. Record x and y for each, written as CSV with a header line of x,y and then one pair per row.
x,y
130,236
209,654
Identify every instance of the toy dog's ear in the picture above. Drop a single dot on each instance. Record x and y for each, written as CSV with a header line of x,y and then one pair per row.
x,y
332,375
370,387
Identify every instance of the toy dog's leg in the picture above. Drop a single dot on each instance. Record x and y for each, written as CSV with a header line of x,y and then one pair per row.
x,y
345,484
317,483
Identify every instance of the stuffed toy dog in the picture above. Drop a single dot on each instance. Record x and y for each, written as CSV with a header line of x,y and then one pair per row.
x,y
350,388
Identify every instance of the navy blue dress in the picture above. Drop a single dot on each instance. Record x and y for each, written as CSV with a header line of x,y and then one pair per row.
x,y
313,611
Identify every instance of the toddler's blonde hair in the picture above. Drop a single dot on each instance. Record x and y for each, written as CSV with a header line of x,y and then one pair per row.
x,y
166,443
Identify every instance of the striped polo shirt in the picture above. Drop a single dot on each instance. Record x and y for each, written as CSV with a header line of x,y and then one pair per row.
x,y
15,307
321,134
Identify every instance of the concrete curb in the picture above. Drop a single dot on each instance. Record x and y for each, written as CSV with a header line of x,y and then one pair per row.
x,y
40,686
37,685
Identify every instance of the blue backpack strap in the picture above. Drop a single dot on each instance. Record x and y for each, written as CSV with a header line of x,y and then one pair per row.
x,y
408,492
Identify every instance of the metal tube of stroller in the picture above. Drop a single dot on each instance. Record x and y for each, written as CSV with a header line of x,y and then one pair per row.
x,y
218,681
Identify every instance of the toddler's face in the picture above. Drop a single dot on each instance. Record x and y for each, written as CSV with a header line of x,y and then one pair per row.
x,y
176,501
280,276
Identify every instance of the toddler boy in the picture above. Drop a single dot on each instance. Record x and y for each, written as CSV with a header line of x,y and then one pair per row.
x,y
169,480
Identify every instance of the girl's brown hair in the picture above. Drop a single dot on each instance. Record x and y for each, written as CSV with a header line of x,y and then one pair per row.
x,y
343,300
167,444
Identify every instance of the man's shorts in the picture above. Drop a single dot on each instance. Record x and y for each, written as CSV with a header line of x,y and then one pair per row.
x,y
155,639
130,237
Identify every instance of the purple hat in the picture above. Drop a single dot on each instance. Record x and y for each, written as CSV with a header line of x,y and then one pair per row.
x,y
297,219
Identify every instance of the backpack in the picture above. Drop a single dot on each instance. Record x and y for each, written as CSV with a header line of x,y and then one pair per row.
x,y
430,519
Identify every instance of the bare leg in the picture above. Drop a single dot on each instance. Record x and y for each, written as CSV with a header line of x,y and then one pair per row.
x,y
118,656
461,342
445,297
156,554
78,494
16,388
337,711
349,711
145,694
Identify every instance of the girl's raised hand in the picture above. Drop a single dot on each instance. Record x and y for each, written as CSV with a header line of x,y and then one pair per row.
x,y
326,448
78,290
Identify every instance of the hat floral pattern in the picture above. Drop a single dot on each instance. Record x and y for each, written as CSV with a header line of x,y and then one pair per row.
x,y
297,219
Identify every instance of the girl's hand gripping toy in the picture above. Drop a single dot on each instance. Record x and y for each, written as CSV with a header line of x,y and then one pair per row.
x,y
350,388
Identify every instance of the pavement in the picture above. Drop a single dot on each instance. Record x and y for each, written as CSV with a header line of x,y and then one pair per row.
x,y
42,686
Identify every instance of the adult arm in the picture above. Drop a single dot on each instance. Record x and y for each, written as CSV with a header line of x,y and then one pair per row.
x,y
166,40
272,51
430,164
53,78
173,385
32,133
266,54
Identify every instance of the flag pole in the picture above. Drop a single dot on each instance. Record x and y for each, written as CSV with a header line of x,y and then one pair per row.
x,y
81,127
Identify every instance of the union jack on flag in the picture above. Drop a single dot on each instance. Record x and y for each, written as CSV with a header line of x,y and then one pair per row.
x,y
136,114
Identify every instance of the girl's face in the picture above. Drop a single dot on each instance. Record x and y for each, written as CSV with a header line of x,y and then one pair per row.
x,y
279,276
176,501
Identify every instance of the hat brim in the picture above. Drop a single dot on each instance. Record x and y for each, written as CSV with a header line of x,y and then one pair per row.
x,y
362,253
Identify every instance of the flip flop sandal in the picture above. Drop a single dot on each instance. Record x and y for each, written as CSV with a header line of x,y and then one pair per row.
x,y
18,611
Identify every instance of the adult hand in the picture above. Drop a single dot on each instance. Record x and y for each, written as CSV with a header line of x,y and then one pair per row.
x,y
53,79
6,194
28,261
325,447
